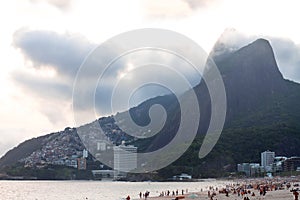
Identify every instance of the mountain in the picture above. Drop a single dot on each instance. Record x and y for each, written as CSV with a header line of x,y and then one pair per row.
x,y
255,86
257,94
251,78
37,150
263,113
21,151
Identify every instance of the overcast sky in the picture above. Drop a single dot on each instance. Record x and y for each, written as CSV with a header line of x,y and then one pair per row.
x,y
43,43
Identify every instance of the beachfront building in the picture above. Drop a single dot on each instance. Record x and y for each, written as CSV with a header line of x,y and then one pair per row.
x,y
125,160
278,163
103,174
250,169
267,160
291,164
182,177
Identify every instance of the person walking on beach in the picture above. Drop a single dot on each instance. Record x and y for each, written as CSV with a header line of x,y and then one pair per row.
x,y
128,197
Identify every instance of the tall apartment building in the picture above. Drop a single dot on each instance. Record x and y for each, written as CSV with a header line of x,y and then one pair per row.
x,y
125,159
267,159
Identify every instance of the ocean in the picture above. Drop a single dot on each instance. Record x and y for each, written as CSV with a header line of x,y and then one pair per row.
x,y
93,190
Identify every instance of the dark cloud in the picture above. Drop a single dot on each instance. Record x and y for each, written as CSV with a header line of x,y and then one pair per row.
x,y
65,53
43,87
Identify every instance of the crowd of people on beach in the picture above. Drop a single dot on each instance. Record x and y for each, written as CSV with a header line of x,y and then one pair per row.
x,y
242,189
249,190
173,193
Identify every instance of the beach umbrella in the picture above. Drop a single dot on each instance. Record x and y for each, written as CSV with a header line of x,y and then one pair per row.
x,y
193,196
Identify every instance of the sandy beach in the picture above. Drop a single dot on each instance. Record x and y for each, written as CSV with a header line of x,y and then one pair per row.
x,y
250,189
279,194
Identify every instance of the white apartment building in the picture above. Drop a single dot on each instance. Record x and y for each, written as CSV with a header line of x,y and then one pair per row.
x,y
267,159
125,159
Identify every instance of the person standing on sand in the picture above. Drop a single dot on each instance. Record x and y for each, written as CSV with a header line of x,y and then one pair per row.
x,y
128,197
296,194
226,193
264,190
147,194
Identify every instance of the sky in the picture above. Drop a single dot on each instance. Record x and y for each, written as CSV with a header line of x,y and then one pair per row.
x,y
44,42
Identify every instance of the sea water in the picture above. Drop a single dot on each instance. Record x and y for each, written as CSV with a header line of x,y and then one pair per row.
x,y
93,190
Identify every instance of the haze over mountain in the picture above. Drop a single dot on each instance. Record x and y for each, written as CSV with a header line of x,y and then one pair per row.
x,y
263,113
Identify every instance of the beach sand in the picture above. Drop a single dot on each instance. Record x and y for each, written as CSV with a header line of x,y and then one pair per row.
x,y
279,194
279,188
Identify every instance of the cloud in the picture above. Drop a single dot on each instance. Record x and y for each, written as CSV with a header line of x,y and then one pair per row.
x,y
60,4
287,52
173,8
51,95
64,53
229,41
55,59
47,88
195,4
